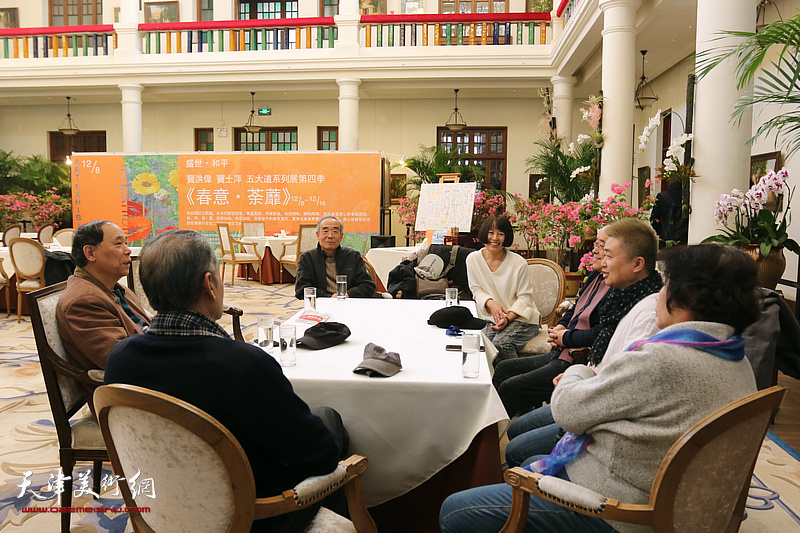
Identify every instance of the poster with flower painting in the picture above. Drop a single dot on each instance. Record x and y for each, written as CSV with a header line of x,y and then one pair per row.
x,y
152,203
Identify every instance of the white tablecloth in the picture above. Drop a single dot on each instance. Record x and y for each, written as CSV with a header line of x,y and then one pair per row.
x,y
384,260
8,266
412,424
275,244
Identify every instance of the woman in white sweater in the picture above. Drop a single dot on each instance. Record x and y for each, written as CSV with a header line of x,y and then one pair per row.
x,y
502,287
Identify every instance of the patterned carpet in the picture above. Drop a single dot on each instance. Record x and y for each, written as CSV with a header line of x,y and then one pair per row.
x,y
28,441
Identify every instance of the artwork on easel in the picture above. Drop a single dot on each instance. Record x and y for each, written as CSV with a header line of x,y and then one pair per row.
x,y
445,205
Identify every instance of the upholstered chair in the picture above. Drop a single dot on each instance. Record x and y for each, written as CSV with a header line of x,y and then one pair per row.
x,y
229,247
549,286
27,257
306,240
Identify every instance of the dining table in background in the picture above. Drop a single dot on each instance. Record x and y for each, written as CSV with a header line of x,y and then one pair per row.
x,y
383,260
427,431
270,249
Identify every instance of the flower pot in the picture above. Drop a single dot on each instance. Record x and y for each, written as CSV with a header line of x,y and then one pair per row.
x,y
770,268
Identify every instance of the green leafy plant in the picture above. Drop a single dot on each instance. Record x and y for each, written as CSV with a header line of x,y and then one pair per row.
x,y
33,174
777,83
568,174
433,160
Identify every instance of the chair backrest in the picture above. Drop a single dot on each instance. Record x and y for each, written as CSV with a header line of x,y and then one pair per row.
x,y
27,256
704,478
307,235
225,240
64,236
198,469
379,287
66,394
11,232
549,286
45,235
253,229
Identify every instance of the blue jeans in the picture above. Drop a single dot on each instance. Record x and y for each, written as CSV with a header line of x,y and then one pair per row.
x,y
534,433
485,509
511,338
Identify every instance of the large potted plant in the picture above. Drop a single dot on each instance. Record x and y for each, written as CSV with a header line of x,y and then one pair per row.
x,y
757,229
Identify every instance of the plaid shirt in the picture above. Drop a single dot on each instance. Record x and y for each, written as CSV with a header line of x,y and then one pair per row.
x,y
185,323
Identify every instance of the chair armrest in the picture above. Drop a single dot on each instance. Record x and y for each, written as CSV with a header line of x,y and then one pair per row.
x,y
285,245
243,244
2,271
313,489
568,495
235,313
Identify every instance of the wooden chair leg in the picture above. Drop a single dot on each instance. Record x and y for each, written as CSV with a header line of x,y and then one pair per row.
x,y
8,300
97,474
233,274
19,305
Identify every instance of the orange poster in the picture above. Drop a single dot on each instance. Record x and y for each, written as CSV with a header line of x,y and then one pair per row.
x,y
148,193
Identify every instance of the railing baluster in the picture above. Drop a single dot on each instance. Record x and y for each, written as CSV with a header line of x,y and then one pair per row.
x,y
402,34
391,36
484,31
16,48
25,47
447,39
319,36
425,34
178,41
414,34
508,33
331,36
86,45
496,36
519,33
35,46
542,33
45,45
64,45
242,44
221,39
436,29
5,47
368,35
308,36
380,35
158,43
471,33
460,36
189,41
105,44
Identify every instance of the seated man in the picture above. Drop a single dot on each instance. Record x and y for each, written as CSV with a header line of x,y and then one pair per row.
x,y
186,354
94,312
629,267
320,266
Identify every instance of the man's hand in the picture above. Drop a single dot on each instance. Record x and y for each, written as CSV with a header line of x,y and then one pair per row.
x,y
556,336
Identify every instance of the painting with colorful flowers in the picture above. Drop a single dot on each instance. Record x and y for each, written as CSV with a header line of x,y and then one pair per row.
x,y
152,204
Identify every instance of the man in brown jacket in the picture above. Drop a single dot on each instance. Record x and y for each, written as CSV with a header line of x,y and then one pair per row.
x,y
94,311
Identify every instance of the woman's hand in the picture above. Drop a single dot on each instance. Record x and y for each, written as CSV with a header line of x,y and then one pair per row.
x,y
499,315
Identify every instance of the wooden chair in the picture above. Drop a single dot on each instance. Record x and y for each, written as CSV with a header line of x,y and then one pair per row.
x,y
45,234
306,240
230,255
208,485
11,232
5,285
701,485
379,288
28,259
69,389
64,237
254,229
549,287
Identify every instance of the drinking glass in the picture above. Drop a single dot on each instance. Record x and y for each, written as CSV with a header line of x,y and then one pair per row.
x,y
450,297
470,355
310,295
265,327
288,342
341,287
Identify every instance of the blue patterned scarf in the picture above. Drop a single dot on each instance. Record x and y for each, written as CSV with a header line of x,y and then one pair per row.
x,y
572,445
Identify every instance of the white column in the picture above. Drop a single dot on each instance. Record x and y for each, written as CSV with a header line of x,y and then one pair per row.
x,y
131,116
619,86
562,105
129,43
722,157
348,113
557,23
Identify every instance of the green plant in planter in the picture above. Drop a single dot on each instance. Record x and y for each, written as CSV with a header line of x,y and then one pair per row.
x,y
433,160
569,174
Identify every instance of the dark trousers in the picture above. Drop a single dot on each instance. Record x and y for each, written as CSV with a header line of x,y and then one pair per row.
x,y
527,382
298,521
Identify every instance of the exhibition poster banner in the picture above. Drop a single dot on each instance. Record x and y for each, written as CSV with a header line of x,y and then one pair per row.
x,y
149,193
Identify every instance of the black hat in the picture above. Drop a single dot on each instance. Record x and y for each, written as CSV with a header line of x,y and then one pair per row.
x,y
456,315
378,362
324,335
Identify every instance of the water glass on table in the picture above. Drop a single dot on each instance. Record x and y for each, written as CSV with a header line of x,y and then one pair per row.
x,y
310,296
341,287
288,345
450,297
265,327
470,355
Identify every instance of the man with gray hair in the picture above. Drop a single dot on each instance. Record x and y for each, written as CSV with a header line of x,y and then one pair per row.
x,y
320,266
95,312
186,354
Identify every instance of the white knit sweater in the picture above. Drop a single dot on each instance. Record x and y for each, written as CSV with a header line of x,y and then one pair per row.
x,y
511,285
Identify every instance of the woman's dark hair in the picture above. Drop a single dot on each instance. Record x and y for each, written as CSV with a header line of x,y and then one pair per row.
x,y
91,233
500,223
716,283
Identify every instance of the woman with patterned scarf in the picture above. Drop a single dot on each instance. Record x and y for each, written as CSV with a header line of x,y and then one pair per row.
x,y
622,421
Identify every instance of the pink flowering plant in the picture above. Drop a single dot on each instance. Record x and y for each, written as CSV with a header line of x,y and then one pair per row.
x,y
408,215
45,208
586,264
753,222
487,203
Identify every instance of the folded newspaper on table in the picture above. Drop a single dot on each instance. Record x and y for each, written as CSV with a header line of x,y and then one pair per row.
x,y
312,317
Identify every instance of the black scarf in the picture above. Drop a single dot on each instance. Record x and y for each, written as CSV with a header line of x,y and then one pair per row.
x,y
616,306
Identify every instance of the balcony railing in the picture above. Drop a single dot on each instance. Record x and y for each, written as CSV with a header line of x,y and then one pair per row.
x,y
58,41
566,9
454,30
237,35
376,31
